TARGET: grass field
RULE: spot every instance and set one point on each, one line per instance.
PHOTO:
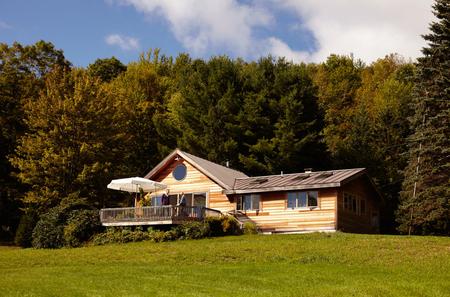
(277, 265)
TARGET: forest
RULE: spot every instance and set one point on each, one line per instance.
(66, 131)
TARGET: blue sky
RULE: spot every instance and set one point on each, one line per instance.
(300, 30)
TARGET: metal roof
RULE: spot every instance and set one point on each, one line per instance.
(236, 182)
(295, 181)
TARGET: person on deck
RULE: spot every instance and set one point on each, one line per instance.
(165, 201)
(165, 198)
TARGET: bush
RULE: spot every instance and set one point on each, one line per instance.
(223, 225)
(158, 236)
(193, 230)
(49, 230)
(250, 228)
(121, 235)
(231, 226)
(70, 223)
(215, 226)
(212, 226)
(81, 225)
(24, 232)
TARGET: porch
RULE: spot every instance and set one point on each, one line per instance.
(154, 215)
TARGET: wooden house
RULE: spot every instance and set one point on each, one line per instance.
(309, 201)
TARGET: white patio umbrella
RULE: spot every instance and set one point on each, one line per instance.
(135, 185)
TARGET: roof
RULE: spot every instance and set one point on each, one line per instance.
(222, 175)
(236, 182)
(295, 181)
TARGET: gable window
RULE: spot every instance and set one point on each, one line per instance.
(302, 199)
(179, 173)
(248, 202)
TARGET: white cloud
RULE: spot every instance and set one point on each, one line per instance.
(205, 25)
(368, 29)
(124, 42)
(278, 48)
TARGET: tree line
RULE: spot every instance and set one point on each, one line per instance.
(67, 131)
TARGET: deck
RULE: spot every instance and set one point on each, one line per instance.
(154, 215)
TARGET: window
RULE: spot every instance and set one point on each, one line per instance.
(179, 173)
(347, 201)
(156, 201)
(302, 199)
(199, 200)
(354, 203)
(192, 199)
(248, 202)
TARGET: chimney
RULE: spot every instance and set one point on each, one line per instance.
(228, 164)
(281, 174)
(308, 170)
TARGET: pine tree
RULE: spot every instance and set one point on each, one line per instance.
(425, 198)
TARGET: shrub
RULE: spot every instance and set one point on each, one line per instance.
(212, 226)
(71, 223)
(215, 226)
(49, 230)
(250, 228)
(81, 225)
(224, 225)
(104, 238)
(121, 235)
(231, 226)
(160, 236)
(24, 232)
(194, 230)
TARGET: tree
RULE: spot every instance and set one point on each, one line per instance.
(337, 81)
(366, 110)
(73, 140)
(425, 196)
(140, 93)
(280, 119)
(203, 106)
(22, 73)
(106, 69)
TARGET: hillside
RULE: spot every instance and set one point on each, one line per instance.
(278, 265)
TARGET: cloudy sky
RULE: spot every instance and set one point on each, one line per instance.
(300, 30)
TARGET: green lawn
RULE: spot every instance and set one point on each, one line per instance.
(260, 265)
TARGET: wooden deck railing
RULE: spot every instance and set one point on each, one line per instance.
(155, 214)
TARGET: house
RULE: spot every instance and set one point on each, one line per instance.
(331, 200)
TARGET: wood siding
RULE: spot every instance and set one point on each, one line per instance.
(274, 215)
(195, 182)
(349, 221)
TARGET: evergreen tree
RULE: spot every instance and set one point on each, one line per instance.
(281, 119)
(205, 101)
(425, 198)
